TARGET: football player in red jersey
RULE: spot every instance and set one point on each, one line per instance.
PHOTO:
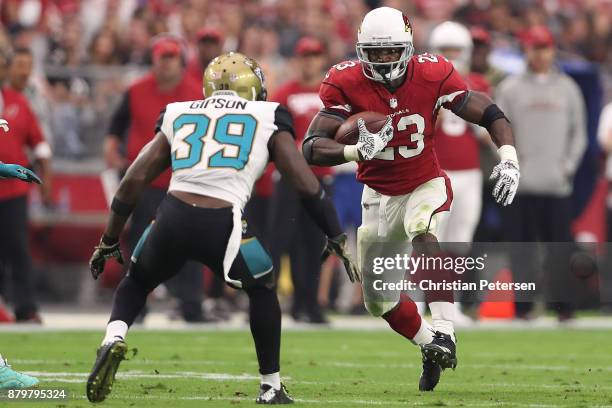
(407, 194)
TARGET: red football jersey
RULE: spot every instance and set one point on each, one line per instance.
(409, 159)
(456, 142)
(146, 100)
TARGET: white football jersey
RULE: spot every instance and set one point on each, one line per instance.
(219, 145)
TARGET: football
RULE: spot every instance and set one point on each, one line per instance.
(348, 132)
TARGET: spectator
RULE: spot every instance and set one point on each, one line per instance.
(25, 134)
(209, 43)
(104, 49)
(19, 79)
(133, 127)
(548, 116)
(290, 225)
(480, 56)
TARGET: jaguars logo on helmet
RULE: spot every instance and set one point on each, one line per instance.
(235, 72)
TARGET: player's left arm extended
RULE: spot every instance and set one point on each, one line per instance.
(478, 108)
(293, 167)
(152, 160)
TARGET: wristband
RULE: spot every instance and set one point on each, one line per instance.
(106, 240)
(351, 153)
(508, 152)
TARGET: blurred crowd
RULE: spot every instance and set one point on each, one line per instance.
(82, 57)
(86, 52)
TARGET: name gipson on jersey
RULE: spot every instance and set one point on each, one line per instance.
(219, 103)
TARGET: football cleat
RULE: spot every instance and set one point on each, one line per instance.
(441, 351)
(100, 381)
(11, 379)
(270, 395)
(430, 375)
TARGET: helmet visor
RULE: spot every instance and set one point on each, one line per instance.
(373, 56)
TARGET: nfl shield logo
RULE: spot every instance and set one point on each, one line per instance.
(393, 103)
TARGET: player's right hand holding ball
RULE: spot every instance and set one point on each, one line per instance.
(370, 144)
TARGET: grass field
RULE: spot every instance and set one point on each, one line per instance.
(329, 368)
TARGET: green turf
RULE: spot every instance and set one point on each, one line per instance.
(328, 368)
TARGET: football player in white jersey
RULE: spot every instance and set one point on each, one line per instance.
(217, 148)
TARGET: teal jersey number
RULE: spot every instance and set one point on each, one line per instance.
(243, 140)
(244, 127)
(193, 140)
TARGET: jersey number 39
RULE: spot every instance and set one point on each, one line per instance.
(233, 132)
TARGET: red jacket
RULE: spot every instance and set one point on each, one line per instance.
(135, 119)
(24, 133)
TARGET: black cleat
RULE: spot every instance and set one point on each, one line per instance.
(441, 351)
(430, 375)
(100, 381)
(270, 395)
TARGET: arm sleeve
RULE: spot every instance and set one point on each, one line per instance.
(120, 122)
(453, 89)
(577, 137)
(160, 120)
(163, 125)
(283, 120)
(284, 123)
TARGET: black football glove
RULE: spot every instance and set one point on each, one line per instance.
(338, 247)
(101, 253)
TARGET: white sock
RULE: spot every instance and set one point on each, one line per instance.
(425, 333)
(115, 330)
(272, 379)
(442, 317)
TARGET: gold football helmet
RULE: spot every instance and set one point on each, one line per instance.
(235, 72)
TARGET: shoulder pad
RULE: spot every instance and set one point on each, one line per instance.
(343, 72)
(431, 67)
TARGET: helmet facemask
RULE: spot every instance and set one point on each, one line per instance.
(384, 71)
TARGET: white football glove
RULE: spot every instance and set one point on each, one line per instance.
(507, 174)
(4, 125)
(370, 144)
